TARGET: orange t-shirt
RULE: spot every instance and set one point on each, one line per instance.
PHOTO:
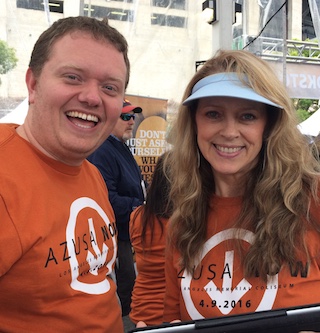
(218, 287)
(57, 244)
(149, 288)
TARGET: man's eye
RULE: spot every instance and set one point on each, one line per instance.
(73, 77)
(108, 87)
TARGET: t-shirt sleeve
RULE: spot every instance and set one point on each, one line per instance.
(10, 245)
(171, 298)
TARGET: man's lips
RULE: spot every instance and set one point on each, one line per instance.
(83, 116)
(82, 120)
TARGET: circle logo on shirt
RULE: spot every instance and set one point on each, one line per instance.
(229, 293)
(95, 257)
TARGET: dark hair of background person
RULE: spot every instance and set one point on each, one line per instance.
(157, 204)
(315, 147)
(100, 30)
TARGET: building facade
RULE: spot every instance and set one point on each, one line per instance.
(166, 37)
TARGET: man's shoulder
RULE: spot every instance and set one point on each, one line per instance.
(104, 148)
(7, 132)
(106, 154)
(110, 142)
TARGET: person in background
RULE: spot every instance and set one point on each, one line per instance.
(315, 147)
(244, 235)
(57, 232)
(126, 192)
(147, 228)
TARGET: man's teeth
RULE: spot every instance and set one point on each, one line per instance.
(83, 116)
(228, 150)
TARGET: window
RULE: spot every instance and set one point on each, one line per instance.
(111, 13)
(270, 22)
(308, 31)
(168, 20)
(174, 4)
(54, 5)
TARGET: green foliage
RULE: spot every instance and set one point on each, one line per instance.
(305, 52)
(8, 59)
(305, 103)
(304, 108)
(303, 114)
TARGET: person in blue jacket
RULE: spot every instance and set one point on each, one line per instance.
(126, 192)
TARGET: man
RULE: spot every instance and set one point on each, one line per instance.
(126, 191)
(57, 227)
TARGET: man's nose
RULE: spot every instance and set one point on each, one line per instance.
(90, 94)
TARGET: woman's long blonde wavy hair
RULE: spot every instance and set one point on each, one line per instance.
(277, 196)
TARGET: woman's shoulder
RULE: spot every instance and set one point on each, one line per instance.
(135, 218)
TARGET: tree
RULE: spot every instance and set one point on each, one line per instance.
(8, 59)
(305, 107)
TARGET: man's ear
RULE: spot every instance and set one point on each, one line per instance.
(31, 82)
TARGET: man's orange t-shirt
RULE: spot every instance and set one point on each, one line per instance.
(57, 244)
(218, 287)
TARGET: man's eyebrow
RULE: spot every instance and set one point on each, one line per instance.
(71, 67)
(82, 70)
(113, 79)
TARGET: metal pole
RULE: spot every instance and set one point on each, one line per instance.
(47, 11)
(222, 28)
(285, 48)
(89, 9)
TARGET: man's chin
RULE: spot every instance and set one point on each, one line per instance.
(127, 136)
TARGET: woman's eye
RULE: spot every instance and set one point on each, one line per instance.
(248, 116)
(213, 114)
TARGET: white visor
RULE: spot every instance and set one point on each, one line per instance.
(225, 85)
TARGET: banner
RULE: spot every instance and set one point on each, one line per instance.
(302, 80)
(149, 140)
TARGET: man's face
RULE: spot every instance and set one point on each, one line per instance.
(123, 128)
(77, 99)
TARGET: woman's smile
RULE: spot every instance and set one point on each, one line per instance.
(230, 134)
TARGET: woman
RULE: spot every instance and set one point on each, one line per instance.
(244, 233)
(147, 231)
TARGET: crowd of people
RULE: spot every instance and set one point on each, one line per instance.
(230, 223)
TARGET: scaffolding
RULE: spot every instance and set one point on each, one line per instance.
(273, 49)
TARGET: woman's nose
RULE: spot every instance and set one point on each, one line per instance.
(229, 129)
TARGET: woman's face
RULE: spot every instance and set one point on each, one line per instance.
(230, 134)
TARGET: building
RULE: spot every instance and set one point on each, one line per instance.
(164, 43)
(166, 37)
